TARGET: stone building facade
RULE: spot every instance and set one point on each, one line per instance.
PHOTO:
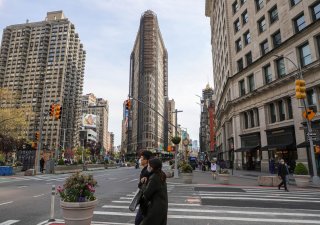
(253, 43)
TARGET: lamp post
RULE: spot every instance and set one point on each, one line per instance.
(176, 175)
(315, 178)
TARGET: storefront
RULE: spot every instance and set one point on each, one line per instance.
(250, 151)
(281, 145)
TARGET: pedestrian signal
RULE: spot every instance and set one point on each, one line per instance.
(300, 89)
(128, 104)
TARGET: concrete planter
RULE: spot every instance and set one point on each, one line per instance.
(223, 178)
(78, 213)
(187, 177)
(302, 180)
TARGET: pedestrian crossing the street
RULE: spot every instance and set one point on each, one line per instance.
(192, 204)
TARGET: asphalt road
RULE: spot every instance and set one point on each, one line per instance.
(26, 200)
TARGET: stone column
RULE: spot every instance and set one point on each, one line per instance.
(236, 126)
(263, 118)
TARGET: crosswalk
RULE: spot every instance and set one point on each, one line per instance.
(192, 204)
(46, 178)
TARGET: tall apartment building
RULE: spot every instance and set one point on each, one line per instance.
(100, 109)
(207, 134)
(253, 43)
(148, 83)
(42, 63)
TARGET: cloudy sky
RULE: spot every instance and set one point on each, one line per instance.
(108, 28)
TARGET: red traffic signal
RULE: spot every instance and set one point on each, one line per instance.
(128, 104)
(51, 111)
(58, 112)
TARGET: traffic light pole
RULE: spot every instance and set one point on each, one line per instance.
(315, 178)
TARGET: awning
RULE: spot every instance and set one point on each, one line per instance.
(307, 144)
(276, 146)
(247, 149)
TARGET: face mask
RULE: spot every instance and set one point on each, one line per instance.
(149, 169)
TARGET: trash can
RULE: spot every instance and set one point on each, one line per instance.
(50, 166)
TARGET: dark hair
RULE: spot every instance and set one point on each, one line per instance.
(156, 165)
(146, 154)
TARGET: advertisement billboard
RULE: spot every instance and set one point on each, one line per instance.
(89, 120)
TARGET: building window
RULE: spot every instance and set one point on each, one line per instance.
(242, 88)
(245, 17)
(240, 65)
(281, 70)
(238, 45)
(242, 2)
(305, 54)
(247, 38)
(299, 23)
(273, 117)
(251, 82)
(259, 4)
(236, 25)
(267, 74)
(246, 120)
(262, 24)
(290, 114)
(249, 58)
(257, 114)
(316, 11)
(318, 45)
(264, 47)
(276, 39)
(294, 2)
(251, 118)
(282, 115)
(235, 7)
(273, 14)
(311, 97)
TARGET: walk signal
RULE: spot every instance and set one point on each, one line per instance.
(58, 112)
(51, 111)
(128, 104)
(37, 136)
(300, 89)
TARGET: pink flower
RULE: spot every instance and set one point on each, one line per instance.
(59, 189)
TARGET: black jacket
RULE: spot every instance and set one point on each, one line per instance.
(155, 205)
(282, 170)
(144, 173)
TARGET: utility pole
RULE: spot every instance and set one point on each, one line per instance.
(176, 175)
(315, 178)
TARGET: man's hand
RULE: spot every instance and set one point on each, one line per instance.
(143, 180)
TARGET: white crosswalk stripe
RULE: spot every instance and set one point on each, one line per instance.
(9, 222)
(185, 205)
(46, 178)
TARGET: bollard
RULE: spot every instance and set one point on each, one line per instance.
(53, 194)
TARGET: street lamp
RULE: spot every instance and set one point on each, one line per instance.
(315, 178)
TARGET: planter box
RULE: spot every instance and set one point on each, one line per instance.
(302, 180)
(269, 181)
(187, 177)
(223, 178)
(78, 213)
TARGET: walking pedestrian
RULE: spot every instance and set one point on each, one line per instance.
(282, 173)
(214, 170)
(154, 204)
(144, 175)
(41, 164)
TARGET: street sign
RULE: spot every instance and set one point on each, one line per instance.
(309, 114)
(311, 134)
(312, 138)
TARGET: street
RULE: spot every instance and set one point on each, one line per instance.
(26, 200)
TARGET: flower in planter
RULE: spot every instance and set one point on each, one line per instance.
(78, 188)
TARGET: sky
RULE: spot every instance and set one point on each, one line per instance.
(108, 28)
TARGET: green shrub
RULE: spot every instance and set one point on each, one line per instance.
(186, 168)
(106, 161)
(61, 162)
(80, 161)
(301, 169)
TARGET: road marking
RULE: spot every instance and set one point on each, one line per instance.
(288, 221)
(125, 198)
(259, 199)
(5, 203)
(36, 196)
(117, 181)
(93, 223)
(258, 195)
(132, 180)
(8, 222)
(121, 201)
(22, 186)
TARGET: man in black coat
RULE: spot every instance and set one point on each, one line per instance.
(282, 173)
(144, 175)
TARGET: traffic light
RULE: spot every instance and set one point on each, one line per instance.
(37, 136)
(51, 111)
(300, 89)
(58, 112)
(128, 104)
